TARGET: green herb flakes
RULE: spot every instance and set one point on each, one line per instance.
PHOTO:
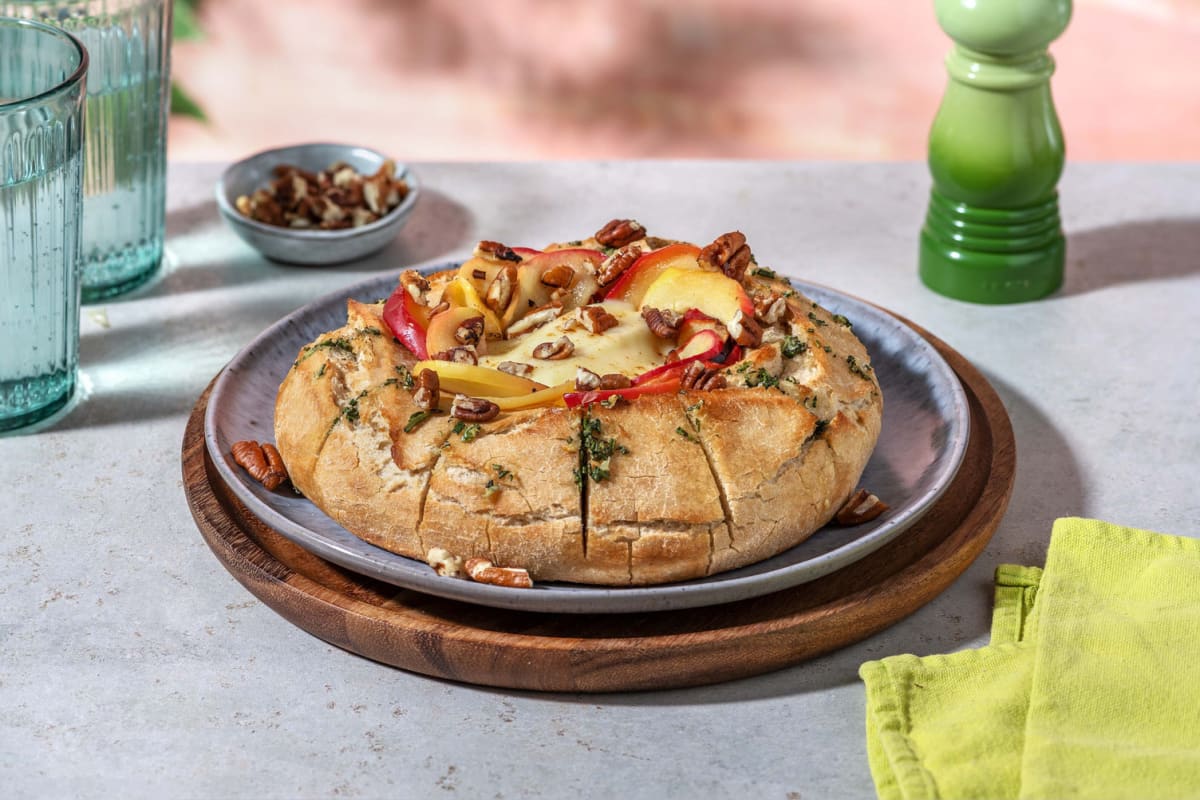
(793, 346)
(686, 435)
(820, 323)
(415, 420)
(763, 272)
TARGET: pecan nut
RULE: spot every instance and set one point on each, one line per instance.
(469, 332)
(459, 355)
(596, 319)
(536, 318)
(615, 380)
(426, 393)
(771, 309)
(445, 564)
(415, 284)
(620, 232)
(729, 254)
(518, 368)
(861, 507)
(698, 377)
(560, 348)
(494, 251)
(663, 323)
(500, 290)
(744, 330)
(559, 276)
(483, 571)
(617, 262)
(262, 461)
(473, 409)
(586, 380)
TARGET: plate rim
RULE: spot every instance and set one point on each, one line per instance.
(583, 598)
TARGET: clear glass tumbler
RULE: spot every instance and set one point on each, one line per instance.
(124, 183)
(42, 82)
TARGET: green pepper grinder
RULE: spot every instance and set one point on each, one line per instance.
(992, 233)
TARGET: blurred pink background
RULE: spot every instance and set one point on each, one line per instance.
(532, 79)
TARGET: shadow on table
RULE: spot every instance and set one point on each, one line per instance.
(1131, 252)
(438, 226)
(1047, 486)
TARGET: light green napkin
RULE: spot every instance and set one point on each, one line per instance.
(1090, 686)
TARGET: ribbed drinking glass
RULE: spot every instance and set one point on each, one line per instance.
(129, 43)
(42, 84)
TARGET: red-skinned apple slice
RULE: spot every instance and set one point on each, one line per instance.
(407, 320)
(704, 346)
(711, 293)
(667, 383)
(440, 336)
(530, 292)
(631, 286)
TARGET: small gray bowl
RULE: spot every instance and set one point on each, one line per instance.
(303, 245)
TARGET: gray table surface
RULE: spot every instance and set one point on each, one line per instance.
(132, 664)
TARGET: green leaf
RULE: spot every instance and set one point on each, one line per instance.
(185, 27)
(183, 105)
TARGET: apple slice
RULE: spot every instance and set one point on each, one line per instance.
(407, 319)
(711, 293)
(706, 345)
(531, 293)
(632, 285)
(440, 336)
(476, 381)
(551, 396)
(461, 292)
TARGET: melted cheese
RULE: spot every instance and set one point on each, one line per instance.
(629, 348)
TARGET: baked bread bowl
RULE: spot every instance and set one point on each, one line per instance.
(620, 410)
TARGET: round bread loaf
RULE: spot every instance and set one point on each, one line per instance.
(618, 487)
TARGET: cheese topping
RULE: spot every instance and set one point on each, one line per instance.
(629, 348)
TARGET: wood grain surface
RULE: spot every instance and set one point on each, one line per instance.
(618, 652)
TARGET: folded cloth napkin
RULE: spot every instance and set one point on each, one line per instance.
(1090, 686)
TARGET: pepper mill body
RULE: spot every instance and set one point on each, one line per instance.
(992, 233)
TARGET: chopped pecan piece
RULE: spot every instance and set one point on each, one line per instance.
(617, 262)
(459, 355)
(663, 323)
(483, 571)
(615, 380)
(494, 251)
(586, 380)
(296, 198)
(620, 232)
(439, 308)
(415, 284)
(536, 318)
(558, 276)
(861, 507)
(473, 409)
(521, 370)
(262, 461)
(699, 377)
(500, 290)
(744, 330)
(596, 319)
(560, 348)
(426, 395)
(771, 309)
(728, 253)
(445, 564)
(469, 332)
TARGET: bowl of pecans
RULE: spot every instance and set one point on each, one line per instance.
(317, 204)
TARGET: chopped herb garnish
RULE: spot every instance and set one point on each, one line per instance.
(493, 485)
(841, 320)
(372, 330)
(763, 272)
(827, 348)
(468, 432)
(810, 402)
(321, 371)
(861, 370)
(328, 344)
(415, 420)
(820, 323)
(406, 377)
(350, 410)
(686, 435)
(596, 451)
(793, 346)
(501, 472)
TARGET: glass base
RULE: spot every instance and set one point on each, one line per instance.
(12, 423)
(992, 256)
(122, 272)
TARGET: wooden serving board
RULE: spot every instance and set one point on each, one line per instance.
(618, 652)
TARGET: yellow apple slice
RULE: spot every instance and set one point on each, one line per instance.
(440, 335)
(551, 396)
(477, 381)
(460, 292)
(711, 293)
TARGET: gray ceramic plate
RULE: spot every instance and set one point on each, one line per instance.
(925, 430)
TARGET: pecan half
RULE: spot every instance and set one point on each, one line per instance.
(425, 395)
(617, 262)
(615, 380)
(771, 309)
(494, 251)
(262, 461)
(699, 377)
(459, 355)
(596, 319)
(728, 253)
(536, 318)
(445, 564)
(473, 409)
(560, 348)
(559, 276)
(861, 507)
(663, 323)
(500, 290)
(470, 331)
(586, 380)
(744, 330)
(521, 370)
(620, 232)
(483, 571)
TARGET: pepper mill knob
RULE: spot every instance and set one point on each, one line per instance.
(992, 233)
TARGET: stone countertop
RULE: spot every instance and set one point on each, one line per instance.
(135, 666)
